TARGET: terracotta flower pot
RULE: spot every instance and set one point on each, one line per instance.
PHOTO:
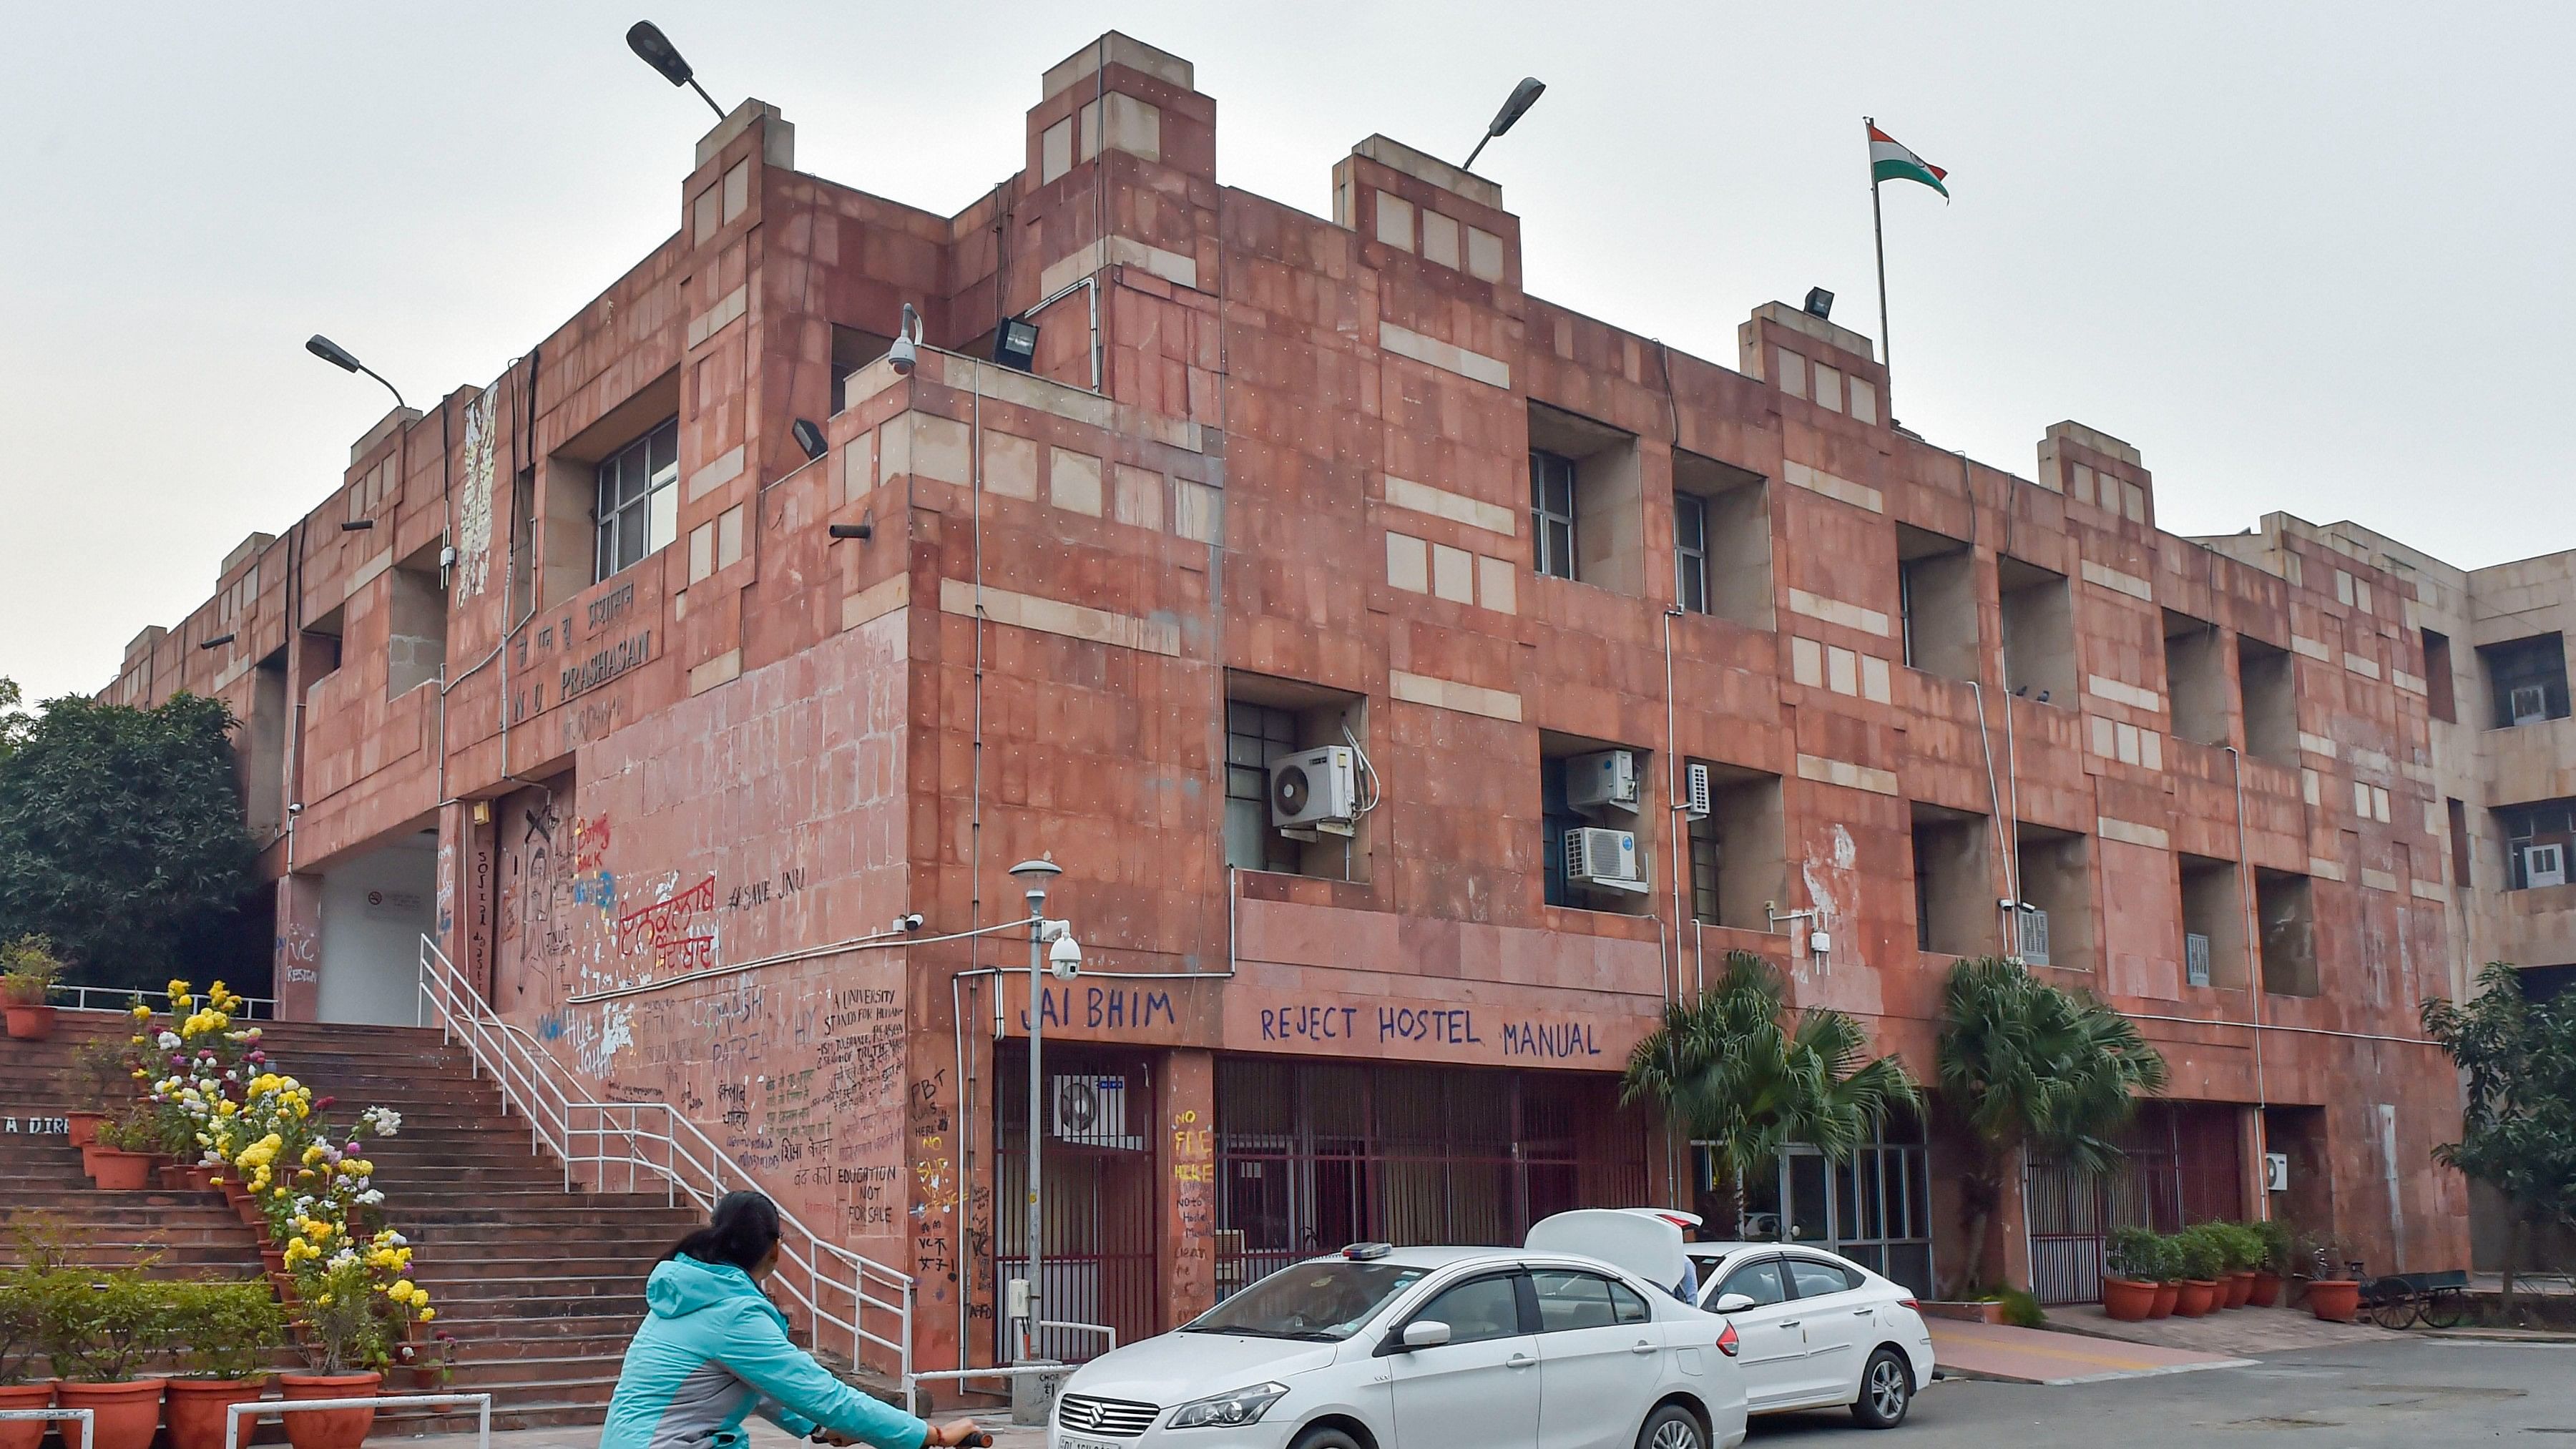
(115, 1170)
(30, 1023)
(273, 1258)
(329, 1428)
(2127, 1300)
(200, 1179)
(2240, 1288)
(2165, 1295)
(2335, 1300)
(427, 1378)
(174, 1178)
(84, 1126)
(2266, 1290)
(2195, 1297)
(197, 1408)
(24, 1433)
(128, 1413)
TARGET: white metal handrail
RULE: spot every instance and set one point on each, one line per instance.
(653, 1138)
(235, 1414)
(119, 998)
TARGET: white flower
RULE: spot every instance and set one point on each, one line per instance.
(372, 1196)
(169, 1041)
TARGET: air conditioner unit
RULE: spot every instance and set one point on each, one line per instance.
(2195, 958)
(1315, 790)
(2031, 935)
(1092, 1110)
(1603, 859)
(1602, 778)
(2544, 865)
(2530, 704)
(1695, 791)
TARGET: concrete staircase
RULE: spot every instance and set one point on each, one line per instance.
(541, 1287)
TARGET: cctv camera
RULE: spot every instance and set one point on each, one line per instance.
(907, 342)
(910, 921)
(1064, 958)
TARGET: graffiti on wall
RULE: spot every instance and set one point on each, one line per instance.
(474, 501)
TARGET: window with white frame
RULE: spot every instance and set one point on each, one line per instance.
(637, 503)
(1690, 552)
(1552, 513)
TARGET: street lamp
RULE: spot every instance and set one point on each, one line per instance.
(647, 40)
(1524, 96)
(1033, 876)
(343, 359)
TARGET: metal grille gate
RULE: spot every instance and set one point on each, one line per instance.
(1103, 1204)
(2070, 1214)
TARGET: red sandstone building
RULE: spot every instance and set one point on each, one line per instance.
(596, 678)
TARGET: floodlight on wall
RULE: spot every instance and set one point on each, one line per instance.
(347, 361)
(1015, 344)
(357, 525)
(1820, 303)
(907, 342)
(809, 438)
(1524, 96)
(656, 50)
(217, 642)
(863, 530)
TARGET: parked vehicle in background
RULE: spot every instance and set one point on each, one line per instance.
(1817, 1330)
(1427, 1348)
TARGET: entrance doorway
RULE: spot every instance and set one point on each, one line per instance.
(2179, 1166)
(376, 905)
(1102, 1203)
(1875, 1209)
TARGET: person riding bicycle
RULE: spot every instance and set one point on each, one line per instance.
(714, 1349)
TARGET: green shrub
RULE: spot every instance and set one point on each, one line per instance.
(2137, 1254)
(2245, 1248)
(102, 1328)
(225, 1330)
(22, 1323)
(2021, 1310)
(2280, 1245)
(2200, 1254)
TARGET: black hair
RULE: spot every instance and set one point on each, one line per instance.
(743, 1231)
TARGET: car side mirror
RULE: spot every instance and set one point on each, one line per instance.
(1425, 1333)
(1733, 1303)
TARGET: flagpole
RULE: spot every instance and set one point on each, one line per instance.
(1878, 233)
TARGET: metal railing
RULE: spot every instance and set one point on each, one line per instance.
(869, 1304)
(235, 1414)
(118, 998)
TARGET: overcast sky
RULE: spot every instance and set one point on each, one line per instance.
(2305, 257)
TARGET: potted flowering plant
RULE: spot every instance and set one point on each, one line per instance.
(356, 1304)
(105, 1069)
(28, 971)
(119, 1158)
(225, 1333)
(430, 1364)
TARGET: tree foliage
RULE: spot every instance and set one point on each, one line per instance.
(2027, 1065)
(121, 833)
(1728, 1068)
(2518, 1125)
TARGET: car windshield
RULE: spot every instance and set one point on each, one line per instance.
(1324, 1301)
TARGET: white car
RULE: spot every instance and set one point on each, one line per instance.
(1816, 1330)
(1426, 1348)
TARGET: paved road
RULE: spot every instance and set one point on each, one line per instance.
(2411, 1392)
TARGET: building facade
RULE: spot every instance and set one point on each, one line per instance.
(661, 679)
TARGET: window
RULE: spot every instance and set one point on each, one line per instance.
(2538, 842)
(1568, 1301)
(2213, 910)
(1476, 1310)
(1703, 872)
(637, 503)
(1690, 553)
(2458, 812)
(2441, 693)
(1736, 857)
(1758, 1281)
(2196, 678)
(1552, 513)
(2055, 925)
(1599, 789)
(1815, 1279)
(1721, 535)
(2039, 632)
(2285, 907)
(2268, 680)
(1254, 736)
(1937, 602)
(2528, 678)
(1954, 886)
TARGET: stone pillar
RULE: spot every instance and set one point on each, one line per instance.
(467, 861)
(297, 966)
(1185, 1159)
(2250, 1148)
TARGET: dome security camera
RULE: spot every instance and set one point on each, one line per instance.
(1064, 958)
(907, 343)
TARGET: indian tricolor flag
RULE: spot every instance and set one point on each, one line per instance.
(1889, 161)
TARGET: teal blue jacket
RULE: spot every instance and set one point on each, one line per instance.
(713, 1349)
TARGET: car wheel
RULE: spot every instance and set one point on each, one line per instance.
(1886, 1391)
(1671, 1427)
(1325, 1436)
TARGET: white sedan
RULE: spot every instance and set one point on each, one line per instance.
(1816, 1330)
(1427, 1348)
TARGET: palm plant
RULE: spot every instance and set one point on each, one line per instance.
(1725, 1067)
(2028, 1066)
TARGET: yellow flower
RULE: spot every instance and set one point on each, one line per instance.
(142, 1012)
(427, 1314)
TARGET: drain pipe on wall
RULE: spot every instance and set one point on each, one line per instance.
(2253, 978)
(1673, 805)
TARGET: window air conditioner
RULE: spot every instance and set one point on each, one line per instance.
(1315, 790)
(1695, 791)
(1603, 859)
(2544, 865)
(1092, 1110)
(2195, 958)
(1602, 778)
(2031, 933)
(2530, 704)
